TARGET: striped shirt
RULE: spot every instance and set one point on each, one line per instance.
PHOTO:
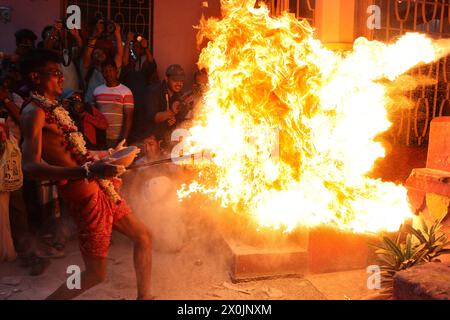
(112, 102)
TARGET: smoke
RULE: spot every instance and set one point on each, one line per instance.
(151, 193)
(190, 252)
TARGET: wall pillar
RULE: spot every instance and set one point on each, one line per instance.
(340, 22)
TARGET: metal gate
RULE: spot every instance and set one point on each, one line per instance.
(303, 9)
(132, 15)
(411, 127)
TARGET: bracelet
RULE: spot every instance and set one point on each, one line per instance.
(87, 171)
(110, 151)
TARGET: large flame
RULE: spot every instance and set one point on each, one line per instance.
(269, 75)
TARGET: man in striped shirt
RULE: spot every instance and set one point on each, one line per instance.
(116, 102)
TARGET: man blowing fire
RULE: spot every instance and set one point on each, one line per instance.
(87, 183)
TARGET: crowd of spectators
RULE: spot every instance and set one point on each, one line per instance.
(112, 92)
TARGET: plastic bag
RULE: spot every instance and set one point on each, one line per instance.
(11, 176)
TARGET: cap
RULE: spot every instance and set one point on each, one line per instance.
(176, 72)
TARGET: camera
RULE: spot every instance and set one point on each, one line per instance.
(137, 39)
(110, 27)
(75, 105)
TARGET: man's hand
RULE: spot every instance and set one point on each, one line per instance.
(118, 30)
(74, 32)
(122, 144)
(58, 26)
(171, 121)
(99, 28)
(169, 116)
(4, 93)
(104, 170)
(130, 37)
(176, 107)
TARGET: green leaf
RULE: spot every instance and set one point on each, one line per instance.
(388, 261)
(383, 252)
(441, 239)
(399, 234)
(418, 251)
(408, 246)
(419, 258)
(376, 246)
(392, 246)
(432, 234)
(438, 221)
(417, 233)
(424, 225)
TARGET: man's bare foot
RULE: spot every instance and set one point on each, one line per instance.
(47, 252)
(39, 265)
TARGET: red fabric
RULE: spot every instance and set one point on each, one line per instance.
(94, 213)
(93, 121)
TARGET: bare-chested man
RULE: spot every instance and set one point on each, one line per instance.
(95, 212)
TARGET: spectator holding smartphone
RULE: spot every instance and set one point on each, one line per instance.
(68, 44)
(98, 51)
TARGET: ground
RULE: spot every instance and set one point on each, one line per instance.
(198, 271)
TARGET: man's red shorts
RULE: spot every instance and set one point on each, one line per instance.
(94, 213)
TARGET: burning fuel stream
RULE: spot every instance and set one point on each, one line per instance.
(293, 124)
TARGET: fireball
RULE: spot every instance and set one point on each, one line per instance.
(293, 125)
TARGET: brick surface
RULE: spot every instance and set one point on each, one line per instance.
(434, 180)
(257, 262)
(439, 145)
(327, 250)
(331, 250)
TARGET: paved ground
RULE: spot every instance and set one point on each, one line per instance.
(196, 272)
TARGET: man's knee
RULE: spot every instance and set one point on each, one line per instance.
(95, 273)
(144, 238)
(95, 277)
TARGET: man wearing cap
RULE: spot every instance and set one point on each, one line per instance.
(159, 116)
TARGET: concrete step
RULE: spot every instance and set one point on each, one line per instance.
(325, 250)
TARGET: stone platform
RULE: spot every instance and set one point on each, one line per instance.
(319, 250)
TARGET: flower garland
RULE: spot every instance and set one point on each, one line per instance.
(73, 140)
